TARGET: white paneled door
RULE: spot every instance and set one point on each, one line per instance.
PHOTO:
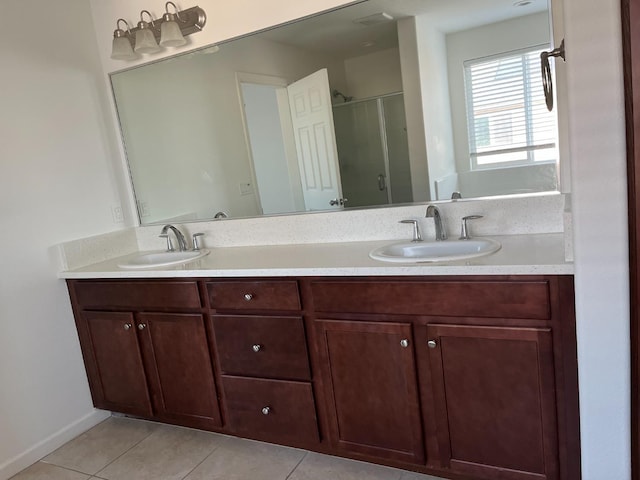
(312, 118)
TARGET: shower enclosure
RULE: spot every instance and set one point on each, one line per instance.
(373, 152)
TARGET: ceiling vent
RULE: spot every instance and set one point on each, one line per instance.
(375, 19)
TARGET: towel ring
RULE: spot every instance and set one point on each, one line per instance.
(547, 81)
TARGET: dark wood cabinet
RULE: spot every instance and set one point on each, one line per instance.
(150, 364)
(179, 368)
(495, 400)
(463, 377)
(119, 382)
(371, 388)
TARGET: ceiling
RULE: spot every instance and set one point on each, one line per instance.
(336, 33)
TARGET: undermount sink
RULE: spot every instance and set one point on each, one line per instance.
(442, 251)
(162, 259)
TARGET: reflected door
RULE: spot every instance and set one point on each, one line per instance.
(361, 151)
(312, 119)
(266, 137)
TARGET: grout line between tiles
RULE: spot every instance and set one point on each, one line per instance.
(203, 460)
(60, 467)
(130, 448)
(297, 465)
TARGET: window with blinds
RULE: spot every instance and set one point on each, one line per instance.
(508, 121)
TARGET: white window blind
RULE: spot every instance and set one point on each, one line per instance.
(508, 121)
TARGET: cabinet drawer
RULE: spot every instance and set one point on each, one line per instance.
(498, 299)
(161, 295)
(262, 346)
(259, 295)
(271, 409)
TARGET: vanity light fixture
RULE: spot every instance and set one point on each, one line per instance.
(121, 48)
(145, 39)
(169, 31)
(170, 34)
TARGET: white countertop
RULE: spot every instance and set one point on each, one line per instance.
(537, 254)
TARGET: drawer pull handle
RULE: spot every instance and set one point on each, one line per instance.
(248, 297)
(127, 326)
(256, 348)
(142, 326)
(432, 344)
(266, 410)
(404, 343)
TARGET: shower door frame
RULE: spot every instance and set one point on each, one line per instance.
(383, 134)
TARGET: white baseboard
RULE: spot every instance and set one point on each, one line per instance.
(51, 443)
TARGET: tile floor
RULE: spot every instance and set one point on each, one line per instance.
(126, 449)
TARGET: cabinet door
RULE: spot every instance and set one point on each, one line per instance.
(495, 400)
(179, 365)
(371, 388)
(121, 383)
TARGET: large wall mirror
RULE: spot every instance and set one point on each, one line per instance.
(379, 103)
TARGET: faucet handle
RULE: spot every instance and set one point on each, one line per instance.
(417, 237)
(169, 243)
(194, 239)
(464, 231)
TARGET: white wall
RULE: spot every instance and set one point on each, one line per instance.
(57, 184)
(598, 170)
(436, 108)
(374, 74)
(413, 101)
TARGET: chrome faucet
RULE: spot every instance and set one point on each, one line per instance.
(433, 212)
(182, 242)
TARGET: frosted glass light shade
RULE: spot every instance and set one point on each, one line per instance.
(170, 35)
(146, 41)
(121, 49)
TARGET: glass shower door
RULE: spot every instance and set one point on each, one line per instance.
(361, 153)
(395, 123)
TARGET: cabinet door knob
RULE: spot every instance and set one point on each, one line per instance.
(432, 344)
(256, 348)
(266, 410)
(404, 343)
(127, 326)
(248, 297)
(142, 326)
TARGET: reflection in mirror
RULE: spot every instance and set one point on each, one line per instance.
(378, 103)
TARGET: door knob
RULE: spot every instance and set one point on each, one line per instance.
(256, 348)
(404, 343)
(127, 326)
(432, 344)
(248, 297)
(266, 410)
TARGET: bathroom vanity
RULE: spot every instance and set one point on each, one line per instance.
(468, 376)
